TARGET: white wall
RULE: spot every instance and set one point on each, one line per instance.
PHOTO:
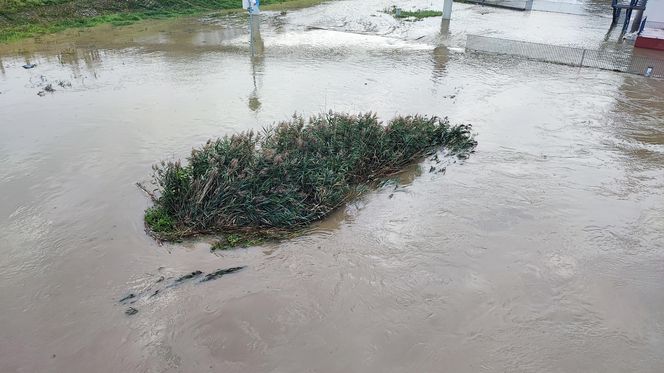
(655, 11)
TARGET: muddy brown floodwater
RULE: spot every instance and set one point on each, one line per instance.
(544, 252)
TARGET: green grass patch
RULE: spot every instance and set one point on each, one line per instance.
(257, 186)
(158, 220)
(235, 240)
(414, 14)
(289, 4)
(26, 18)
(252, 237)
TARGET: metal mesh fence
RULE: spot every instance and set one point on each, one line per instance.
(546, 6)
(509, 4)
(591, 8)
(601, 59)
(655, 25)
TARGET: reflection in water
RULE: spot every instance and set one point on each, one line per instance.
(28, 56)
(440, 58)
(254, 102)
(445, 28)
(257, 55)
(73, 57)
(441, 52)
(639, 111)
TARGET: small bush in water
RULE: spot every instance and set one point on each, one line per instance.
(291, 174)
(413, 14)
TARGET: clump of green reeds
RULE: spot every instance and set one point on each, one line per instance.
(290, 174)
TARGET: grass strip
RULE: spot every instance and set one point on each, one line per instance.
(27, 18)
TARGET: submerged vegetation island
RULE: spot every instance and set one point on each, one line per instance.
(412, 14)
(251, 187)
(25, 18)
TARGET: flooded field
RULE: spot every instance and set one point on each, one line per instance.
(543, 252)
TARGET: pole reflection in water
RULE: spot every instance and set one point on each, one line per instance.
(440, 52)
(257, 60)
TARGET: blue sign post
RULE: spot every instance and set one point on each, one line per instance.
(252, 6)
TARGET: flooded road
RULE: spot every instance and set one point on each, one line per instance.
(544, 252)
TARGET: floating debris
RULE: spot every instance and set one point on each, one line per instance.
(148, 293)
(131, 311)
(220, 272)
(188, 276)
(130, 296)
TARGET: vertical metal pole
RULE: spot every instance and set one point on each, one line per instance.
(583, 57)
(529, 5)
(251, 33)
(447, 9)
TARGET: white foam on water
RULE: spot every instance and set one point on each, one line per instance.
(338, 40)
